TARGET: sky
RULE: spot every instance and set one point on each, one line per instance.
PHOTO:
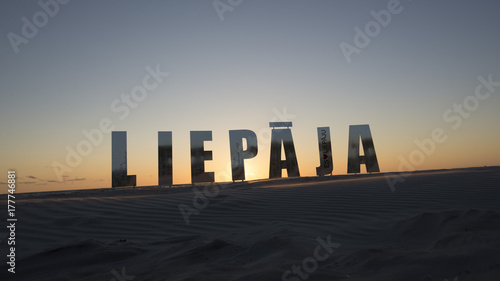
(415, 71)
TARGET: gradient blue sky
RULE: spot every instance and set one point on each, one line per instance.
(264, 57)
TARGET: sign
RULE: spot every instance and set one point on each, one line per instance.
(281, 137)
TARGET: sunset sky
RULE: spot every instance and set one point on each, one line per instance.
(254, 63)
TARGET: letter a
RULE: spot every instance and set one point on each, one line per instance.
(354, 160)
(279, 136)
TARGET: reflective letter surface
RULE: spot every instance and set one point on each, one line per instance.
(199, 156)
(354, 160)
(164, 158)
(325, 152)
(119, 175)
(238, 154)
(276, 165)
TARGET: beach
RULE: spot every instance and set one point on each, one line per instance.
(433, 225)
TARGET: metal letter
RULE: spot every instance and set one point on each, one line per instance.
(199, 156)
(164, 158)
(238, 154)
(276, 165)
(354, 160)
(119, 175)
(280, 124)
(325, 152)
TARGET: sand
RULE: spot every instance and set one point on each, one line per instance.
(436, 225)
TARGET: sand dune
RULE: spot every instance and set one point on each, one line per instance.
(437, 225)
